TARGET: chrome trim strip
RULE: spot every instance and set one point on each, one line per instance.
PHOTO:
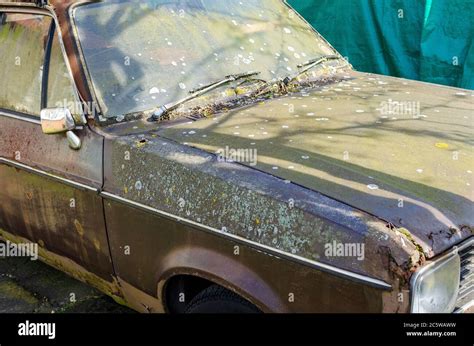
(465, 244)
(470, 304)
(464, 308)
(19, 117)
(278, 253)
(48, 175)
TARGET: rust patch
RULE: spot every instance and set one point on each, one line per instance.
(70, 267)
(403, 270)
(79, 228)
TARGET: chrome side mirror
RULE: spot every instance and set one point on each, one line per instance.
(60, 120)
(57, 120)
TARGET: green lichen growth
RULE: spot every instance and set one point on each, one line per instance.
(407, 234)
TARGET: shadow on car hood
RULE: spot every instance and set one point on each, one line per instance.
(397, 149)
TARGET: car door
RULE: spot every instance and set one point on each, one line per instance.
(48, 191)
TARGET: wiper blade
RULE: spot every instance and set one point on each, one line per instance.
(309, 65)
(314, 62)
(195, 93)
(227, 79)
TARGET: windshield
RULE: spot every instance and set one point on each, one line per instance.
(143, 54)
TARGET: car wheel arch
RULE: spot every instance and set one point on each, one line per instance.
(209, 266)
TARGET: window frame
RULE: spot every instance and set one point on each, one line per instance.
(99, 106)
(54, 28)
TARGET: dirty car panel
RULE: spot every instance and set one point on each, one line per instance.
(191, 187)
(142, 202)
(412, 170)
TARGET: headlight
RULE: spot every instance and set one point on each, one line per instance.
(435, 287)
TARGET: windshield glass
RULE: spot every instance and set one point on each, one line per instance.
(143, 54)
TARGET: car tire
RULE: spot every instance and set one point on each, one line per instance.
(218, 300)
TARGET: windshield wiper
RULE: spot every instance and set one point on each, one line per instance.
(310, 64)
(195, 93)
(315, 62)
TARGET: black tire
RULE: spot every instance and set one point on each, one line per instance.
(216, 299)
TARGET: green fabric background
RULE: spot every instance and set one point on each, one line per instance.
(428, 40)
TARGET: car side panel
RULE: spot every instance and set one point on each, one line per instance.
(148, 249)
(149, 245)
(63, 212)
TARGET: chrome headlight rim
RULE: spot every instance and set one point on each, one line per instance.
(416, 279)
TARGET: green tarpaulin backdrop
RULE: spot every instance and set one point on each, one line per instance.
(429, 40)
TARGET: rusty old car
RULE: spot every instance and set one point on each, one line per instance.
(221, 156)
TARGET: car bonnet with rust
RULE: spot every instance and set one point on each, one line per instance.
(347, 141)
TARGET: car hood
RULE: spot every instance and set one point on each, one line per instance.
(399, 150)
